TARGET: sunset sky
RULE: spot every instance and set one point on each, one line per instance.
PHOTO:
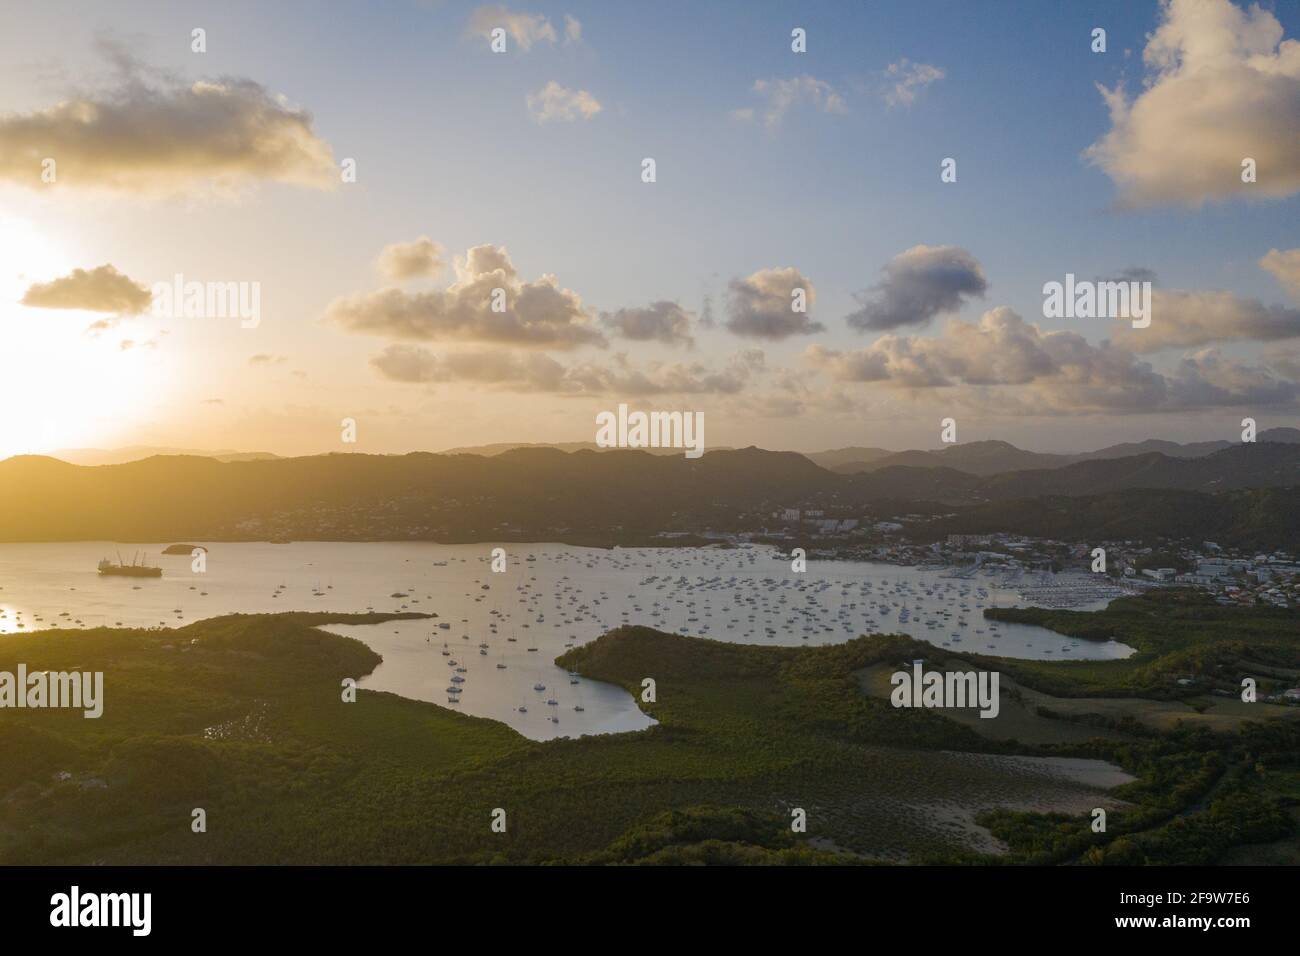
(523, 170)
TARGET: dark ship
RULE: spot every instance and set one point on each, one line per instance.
(136, 569)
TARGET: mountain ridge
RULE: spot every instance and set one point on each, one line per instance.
(991, 457)
(544, 491)
(985, 457)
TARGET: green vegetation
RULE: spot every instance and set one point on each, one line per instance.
(1178, 634)
(1250, 519)
(1163, 559)
(243, 716)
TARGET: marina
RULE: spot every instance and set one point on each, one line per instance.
(489, 647)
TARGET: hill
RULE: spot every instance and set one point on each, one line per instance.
(981, 458)
(1260, 465)
(987, 458)
(490, 451)
(1262, 519)
(610, 497)
(118, 456)
(421, 495)
(242, 715)
(836, 458)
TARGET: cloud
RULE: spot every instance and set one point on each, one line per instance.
(762, 306)
(155, 134)
(127, 344)
(419, 258)
(783, 95)
(1285, 268)
(524, 28)
(96, 290)
(919, 284)
(531, 372)
(1001, 349)
(556, 102)
(262, 358)
(572, 29)
(538, 314)
(520, 372)
(1206, 379)
(1182, 319)
(1016, 367)
(620, 377)
(1131, 274)
(1222, 84)
(908, 79)
(1285, 362)
(665, 322)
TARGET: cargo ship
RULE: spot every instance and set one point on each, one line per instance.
(136, 569)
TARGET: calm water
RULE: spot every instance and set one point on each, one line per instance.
(552, 597)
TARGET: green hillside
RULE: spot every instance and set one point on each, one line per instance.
(243, 716)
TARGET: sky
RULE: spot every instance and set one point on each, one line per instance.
(132, 152)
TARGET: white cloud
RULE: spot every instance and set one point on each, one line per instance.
(94, 290)
(1222, 85)
(537, 314)
(531, 372)
(1284, 264)
(154, 134)
(1182, 319)
(783, 95)
(419, 258)
(524, 28)
(762, 305)
(907, 80)
(662, 321)
(1015, 367)
(556, 102)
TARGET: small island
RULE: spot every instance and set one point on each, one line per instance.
(186, 549)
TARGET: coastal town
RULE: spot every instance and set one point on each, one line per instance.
(1049, 572)
(1084, 572)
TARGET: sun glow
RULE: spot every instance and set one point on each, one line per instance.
(62, 383)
